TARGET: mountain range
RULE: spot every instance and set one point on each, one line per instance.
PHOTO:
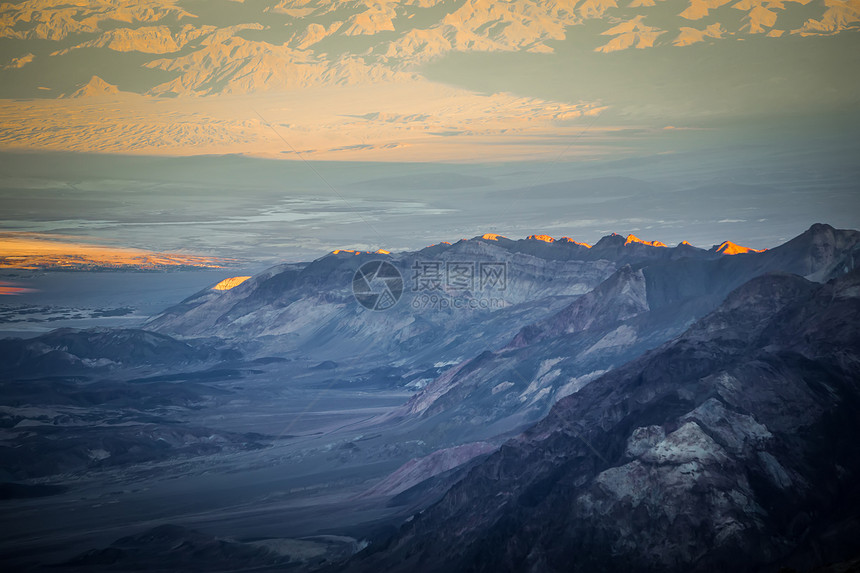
(571, 312)
(274, 45)
(620, 406)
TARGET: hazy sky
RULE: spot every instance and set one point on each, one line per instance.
(394, 124)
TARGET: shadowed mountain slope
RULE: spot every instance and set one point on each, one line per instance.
(731, 447)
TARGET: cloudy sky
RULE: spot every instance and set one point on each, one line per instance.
(401, 122)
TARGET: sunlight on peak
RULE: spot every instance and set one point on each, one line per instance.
(730, 248)
(232, 282)
(492, 236)
(635, 239)
(569, 240)
(377, 252)
(544, 238)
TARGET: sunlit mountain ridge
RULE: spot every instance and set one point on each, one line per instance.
(725, 248)
(730, 248)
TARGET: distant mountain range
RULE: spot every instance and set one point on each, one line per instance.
(504, 353)
(408, 80)
(279, 44)
(566, 313)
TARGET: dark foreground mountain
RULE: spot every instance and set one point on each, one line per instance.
(733, 447)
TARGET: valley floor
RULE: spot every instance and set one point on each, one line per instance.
(322, 450)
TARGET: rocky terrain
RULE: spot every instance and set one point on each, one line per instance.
(81, 400)
(730, 447)
(635, 309)
(689, 408)
(311, 308)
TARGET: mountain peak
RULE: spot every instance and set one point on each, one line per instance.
(230, 283)
(817, 228)
(746, 310)
(612, 240)
(569, 240)
(354, 252)
(492, 237)
(94, 88)
(821, 252)
(615, 240)
(714, 399)
(730, 248)
(544, 238)
(634, 239)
